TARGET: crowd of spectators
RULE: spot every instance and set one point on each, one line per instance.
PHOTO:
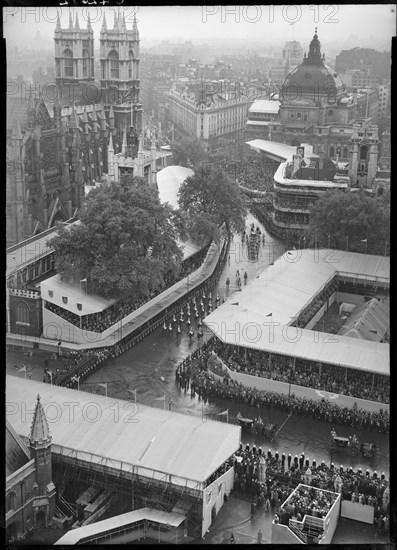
(193, 372)
(99, 322)
(332, 378)
(257, 173)
(284, 474)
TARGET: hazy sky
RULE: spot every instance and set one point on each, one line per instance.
(275, 23)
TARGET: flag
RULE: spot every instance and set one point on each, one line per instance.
(105, 385)
(224, 413)
(257, 277)
(272, 263)
(83, 280)
(364, 240)
(290, 252)
(235, 304)
(23, 369)
(269, 315)
(160, 398)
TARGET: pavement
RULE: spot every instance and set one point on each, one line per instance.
(235, 517)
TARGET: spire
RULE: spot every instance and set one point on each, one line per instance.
(39, 431)
(110, 146)
(77, 26)
(135, 27)
(116, 20)
(314, 55)
(123, 25)
(58, 26)
(89, 28)
(124, 144)
(70, 20)
(104, 27)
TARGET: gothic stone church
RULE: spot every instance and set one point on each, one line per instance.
(58, 137)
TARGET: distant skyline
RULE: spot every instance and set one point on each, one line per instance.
(250, 24)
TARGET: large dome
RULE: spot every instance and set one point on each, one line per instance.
(312, 78)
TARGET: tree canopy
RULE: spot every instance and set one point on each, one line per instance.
(349, 219)
(188, 152)
(209, 199)
(126, 244)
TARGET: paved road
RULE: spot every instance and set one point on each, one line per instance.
(150, 366)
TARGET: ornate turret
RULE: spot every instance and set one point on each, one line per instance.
(40, 435)
(77, 26)
(314, 56)
(104, 26)
(40, 440)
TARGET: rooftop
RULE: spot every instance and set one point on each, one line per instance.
(257, 316)
(265, 106)
(152, 440)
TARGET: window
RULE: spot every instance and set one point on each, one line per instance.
(331, 151)
(85, 62)
(298, 116)
(114, 64)
(131, 64)
(22, 313)
(68, 62)
(11, 501)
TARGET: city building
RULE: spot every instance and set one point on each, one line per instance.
(56, 147)
(263, 119)
(30, 491)
(316, 108)
(208, 111)
(292, 53)
(378, 63)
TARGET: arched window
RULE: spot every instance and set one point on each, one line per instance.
(22, 313)
(85, 62)
(332, 151)
(68, 55)
(114, 64)
(11, 501)
(131, 64)
(345, 153)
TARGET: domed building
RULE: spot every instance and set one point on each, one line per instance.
(315, 107)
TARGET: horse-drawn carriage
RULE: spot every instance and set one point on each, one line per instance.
(257, 425)
(352, 443)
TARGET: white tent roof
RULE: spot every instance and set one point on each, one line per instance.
(116, 522)
(169, 181)
(265, 106)
(280, 151)
(258, 316)
(91, 303)
(125, 434)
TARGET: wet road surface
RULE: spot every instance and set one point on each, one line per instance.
(149, 368)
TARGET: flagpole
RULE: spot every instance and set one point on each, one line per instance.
(164, 401)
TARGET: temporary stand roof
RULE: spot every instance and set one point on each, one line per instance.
(259, 316)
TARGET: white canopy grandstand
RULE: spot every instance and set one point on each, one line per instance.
(169, 181)
(55, 290)
(278, 151)
(259, 316)
(151, 442)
